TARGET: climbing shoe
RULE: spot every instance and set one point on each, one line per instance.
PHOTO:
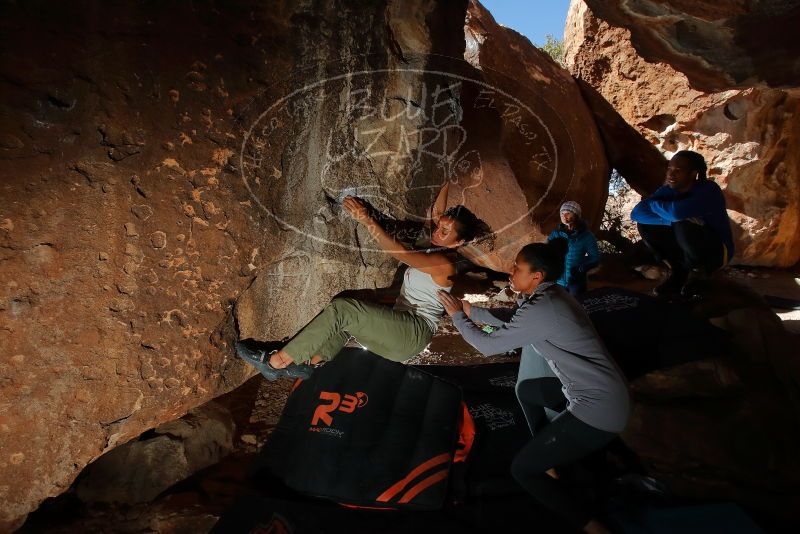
(259, 358)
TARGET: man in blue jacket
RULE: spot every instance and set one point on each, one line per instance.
(582, 254)
(685, 223)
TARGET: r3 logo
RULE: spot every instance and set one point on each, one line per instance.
(346, 404)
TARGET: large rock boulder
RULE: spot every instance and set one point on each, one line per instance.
(749, 137)
(165, 161)
(141, 195)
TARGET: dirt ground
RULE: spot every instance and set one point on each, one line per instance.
(780, 283)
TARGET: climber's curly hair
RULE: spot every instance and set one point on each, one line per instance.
(468, 226)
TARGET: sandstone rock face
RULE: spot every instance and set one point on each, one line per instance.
(749, 137)
(141, 195)
(376, 129)
(718, 45)
(630, 153)
(542, 145)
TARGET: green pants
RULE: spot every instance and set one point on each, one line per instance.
(395, 335)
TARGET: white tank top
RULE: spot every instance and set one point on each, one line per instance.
(418, 296)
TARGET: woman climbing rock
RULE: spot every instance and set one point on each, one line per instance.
(396, 333)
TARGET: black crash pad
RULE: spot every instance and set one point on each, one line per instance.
(367, 431)
(644, 333)
(500, 426)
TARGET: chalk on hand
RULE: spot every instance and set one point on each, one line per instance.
(347, 192)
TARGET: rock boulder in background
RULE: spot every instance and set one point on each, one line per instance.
(537, 138)
(749, 137)
(717, 44)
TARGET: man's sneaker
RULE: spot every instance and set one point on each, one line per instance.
(695, 282)
(259, 359)
(671, 286)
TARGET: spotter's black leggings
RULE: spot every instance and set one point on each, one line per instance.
(564, 440)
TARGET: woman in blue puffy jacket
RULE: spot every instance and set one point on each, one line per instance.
(582, 254)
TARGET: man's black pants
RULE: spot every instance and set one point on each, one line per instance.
(685, 246)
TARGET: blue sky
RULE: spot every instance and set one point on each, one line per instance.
(532, 18)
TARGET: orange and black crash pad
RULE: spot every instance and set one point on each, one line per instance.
(494, 432)
(366, 431)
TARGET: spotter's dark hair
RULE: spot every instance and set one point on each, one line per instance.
(547, 258)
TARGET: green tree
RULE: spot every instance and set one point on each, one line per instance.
(554, 48)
